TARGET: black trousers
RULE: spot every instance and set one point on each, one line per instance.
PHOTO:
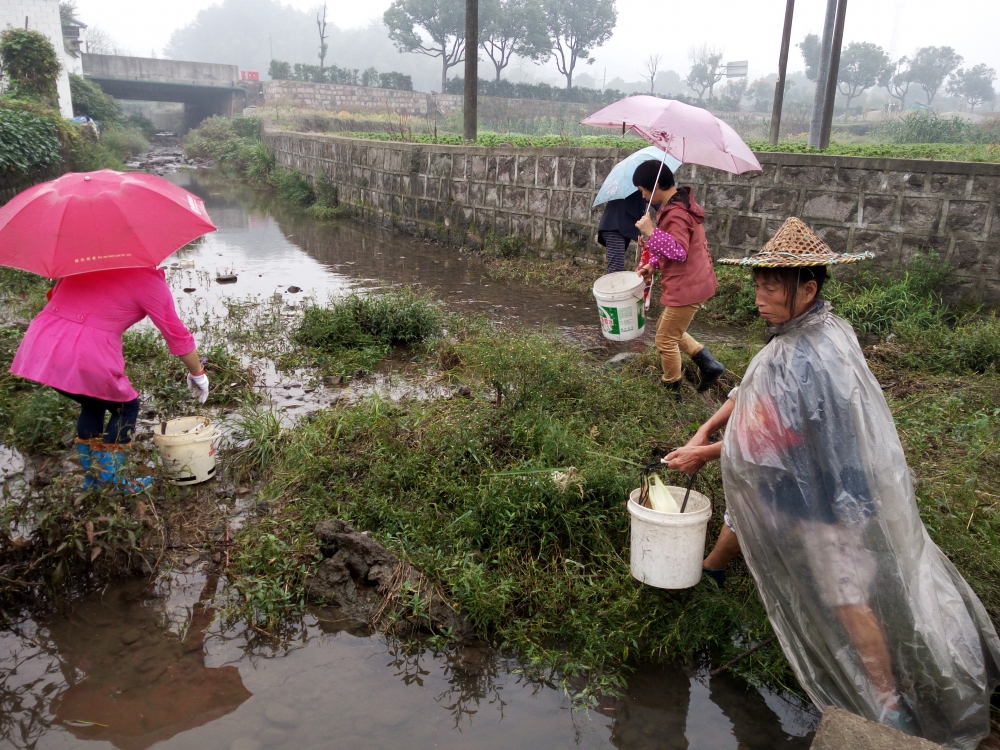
(94, 411)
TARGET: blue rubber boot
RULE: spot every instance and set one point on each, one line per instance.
(84, 450)
(107, 464)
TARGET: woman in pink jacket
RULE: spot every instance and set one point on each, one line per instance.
(75, 346)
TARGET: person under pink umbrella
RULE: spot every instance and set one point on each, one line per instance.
(74, 345)
(102, 235)
(677, 246)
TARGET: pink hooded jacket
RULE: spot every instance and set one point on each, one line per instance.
(75, 342)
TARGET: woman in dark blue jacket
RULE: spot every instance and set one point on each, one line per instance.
(617, 228)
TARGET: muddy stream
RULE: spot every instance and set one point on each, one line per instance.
(141, 664)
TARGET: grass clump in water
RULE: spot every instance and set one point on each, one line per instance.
(355, 332)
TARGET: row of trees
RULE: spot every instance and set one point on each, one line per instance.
(283, 71)
(566, 31)
(864, 65)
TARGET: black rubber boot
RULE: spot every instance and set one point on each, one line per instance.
(717, 574)
(711, 369)
(673, 389)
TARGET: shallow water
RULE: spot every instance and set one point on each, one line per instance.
(270, 248)
(138, 665)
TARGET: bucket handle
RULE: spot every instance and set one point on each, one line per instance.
(644, 484)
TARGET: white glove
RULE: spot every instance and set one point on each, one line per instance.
(198, 385)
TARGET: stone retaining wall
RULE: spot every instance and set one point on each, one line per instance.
(337, 98)
(898, 209)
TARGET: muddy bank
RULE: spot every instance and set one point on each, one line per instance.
(369, 583)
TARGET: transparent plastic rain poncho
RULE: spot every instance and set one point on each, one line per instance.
(821, 500)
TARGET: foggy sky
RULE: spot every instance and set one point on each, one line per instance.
(744, 29)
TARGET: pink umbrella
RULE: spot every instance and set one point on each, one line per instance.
(95, 221)
(691, 134)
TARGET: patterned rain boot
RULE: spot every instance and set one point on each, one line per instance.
(108, 462)
(84, 450)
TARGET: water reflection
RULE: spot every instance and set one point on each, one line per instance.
(131, 680)
(134, 666)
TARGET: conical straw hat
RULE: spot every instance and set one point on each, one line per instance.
(795, 244)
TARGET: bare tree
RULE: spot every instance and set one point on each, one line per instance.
(323, 46)
(651, 64)
(100, 42)
(706, 70)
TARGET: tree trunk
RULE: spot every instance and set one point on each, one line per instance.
(444, 71)
(499, 69)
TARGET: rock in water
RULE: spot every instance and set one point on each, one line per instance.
(229, 278)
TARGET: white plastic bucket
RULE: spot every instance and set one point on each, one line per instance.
(187, 449)
(668, 548)
(619, 303)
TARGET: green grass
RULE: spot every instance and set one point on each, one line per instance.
(937, 151)
(493, 140)
(535, 567)
(354, 333)
(463, 487)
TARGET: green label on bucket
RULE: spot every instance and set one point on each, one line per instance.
(609, 320)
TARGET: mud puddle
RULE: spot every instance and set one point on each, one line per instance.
(138, 664)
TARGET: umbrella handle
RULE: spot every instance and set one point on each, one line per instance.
(657, 183)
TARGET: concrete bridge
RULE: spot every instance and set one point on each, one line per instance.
(205, 89)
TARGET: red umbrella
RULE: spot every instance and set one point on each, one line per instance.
(95, 221)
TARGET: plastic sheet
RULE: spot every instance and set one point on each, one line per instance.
(870, 613)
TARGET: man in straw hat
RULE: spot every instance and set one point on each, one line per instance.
(870, 613)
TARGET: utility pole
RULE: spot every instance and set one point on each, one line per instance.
(834, 75)
(819, 100)
(779, 87)
(270, 46)
(471, 69)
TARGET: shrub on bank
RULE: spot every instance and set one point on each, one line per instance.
(90, 101)
(928, 128)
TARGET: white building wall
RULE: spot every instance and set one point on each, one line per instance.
(43, 16)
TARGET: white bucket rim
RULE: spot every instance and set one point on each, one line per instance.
(634, 290)
(174, 438)
(693, 516)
